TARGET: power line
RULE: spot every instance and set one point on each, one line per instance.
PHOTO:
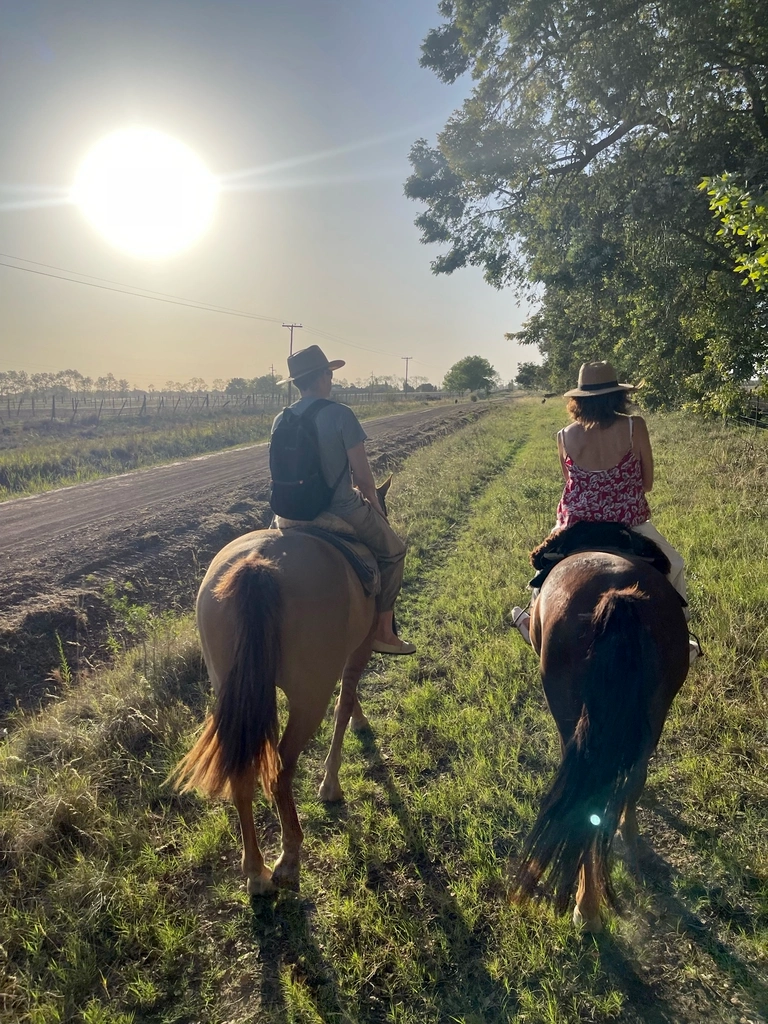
(136, 289)
(120, 288)
(156, 297)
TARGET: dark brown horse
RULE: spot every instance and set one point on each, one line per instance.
(613, 643)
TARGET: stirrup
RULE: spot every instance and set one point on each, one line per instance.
(520, 620)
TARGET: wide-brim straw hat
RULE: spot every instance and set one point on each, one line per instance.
(597, 379)
(309, 360)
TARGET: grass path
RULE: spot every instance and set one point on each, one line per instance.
(122, 903)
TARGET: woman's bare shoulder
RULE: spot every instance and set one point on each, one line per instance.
(640, 424)
(572, 430)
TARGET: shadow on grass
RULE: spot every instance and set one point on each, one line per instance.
(463, 986)
(643, 1001)
(282, 929)
(658, 875)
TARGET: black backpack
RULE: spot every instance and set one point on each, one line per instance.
(299, 490)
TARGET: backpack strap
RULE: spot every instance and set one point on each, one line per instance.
(314, 409)
(311, 415)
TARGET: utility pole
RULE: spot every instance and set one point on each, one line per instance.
(291, 328)
(407, 360)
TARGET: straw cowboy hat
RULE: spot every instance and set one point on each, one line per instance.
(308, 360)
(597, 379)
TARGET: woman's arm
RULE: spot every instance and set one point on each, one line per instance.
(641, 445)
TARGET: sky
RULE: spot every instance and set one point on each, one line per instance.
(310, 108)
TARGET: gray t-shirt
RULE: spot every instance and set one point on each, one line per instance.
(338, 430)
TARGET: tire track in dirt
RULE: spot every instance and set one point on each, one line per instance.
(155, 528)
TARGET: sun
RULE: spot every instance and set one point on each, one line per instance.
(145, 192)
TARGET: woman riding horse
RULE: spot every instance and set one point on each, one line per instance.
(613, 641)
(607, 464)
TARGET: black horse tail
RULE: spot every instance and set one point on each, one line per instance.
(242, 732)
(581, 810)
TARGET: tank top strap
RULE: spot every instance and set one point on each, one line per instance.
(630, 433)
(561, 442)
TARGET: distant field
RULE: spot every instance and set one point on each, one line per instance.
(36, 455)
(121, 902)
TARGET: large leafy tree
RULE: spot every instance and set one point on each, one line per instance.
(572, 170)
(472, 373)
(744, 218)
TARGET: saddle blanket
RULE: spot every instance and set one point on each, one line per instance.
(612, 537)
(340, 535)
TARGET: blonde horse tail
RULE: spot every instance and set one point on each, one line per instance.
(242, 731)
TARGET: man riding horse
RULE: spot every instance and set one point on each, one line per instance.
(287, 609)
(341, 441)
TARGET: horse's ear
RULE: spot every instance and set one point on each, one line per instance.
(383, 488)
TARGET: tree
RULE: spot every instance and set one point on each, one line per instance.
(571, 173)
(237, 386)
(472, 373)
(532, 376)
(744, 218)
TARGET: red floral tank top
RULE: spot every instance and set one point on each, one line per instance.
(612, 495)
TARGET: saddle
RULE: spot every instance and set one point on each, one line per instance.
(340, 535)
(612, 537)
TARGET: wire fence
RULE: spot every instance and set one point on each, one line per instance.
(93, 407)
(756, 413)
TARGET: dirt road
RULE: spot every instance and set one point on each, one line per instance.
(156, 528)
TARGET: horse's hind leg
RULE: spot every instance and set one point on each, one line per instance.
(586, 914)
(347, 706)
(302, 724)
(257, 874)
(629, 829)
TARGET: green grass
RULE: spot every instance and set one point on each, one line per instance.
(36, 457)
(123, 902)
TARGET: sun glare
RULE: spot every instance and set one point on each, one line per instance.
(146, 193)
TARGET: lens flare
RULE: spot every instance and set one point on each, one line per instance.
(146, 193)
(594, 819)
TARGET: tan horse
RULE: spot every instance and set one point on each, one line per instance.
(613, 643)
(277, 609)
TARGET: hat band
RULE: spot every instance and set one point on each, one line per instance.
(599, 387)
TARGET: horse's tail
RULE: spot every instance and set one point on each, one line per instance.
(581, 810)
(242, 731)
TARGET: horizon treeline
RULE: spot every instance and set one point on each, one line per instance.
(69, 382)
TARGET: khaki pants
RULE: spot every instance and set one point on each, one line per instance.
(376, 533)
(676, 564)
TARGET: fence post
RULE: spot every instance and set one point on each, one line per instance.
(53, 407)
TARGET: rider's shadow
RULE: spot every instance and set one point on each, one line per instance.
(282, 930)
(467, 946)
(659, 876)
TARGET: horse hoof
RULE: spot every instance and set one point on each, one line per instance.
(261, 884)
(587, 925)
(286, 879)
(361, 724)
(330, 793)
